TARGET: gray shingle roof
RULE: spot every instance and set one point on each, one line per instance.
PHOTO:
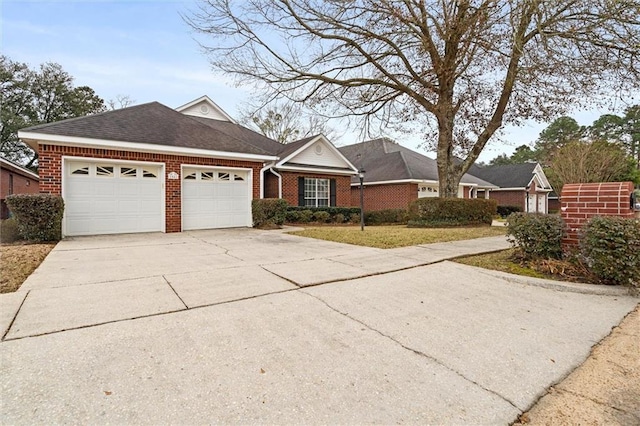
(157, 124)
(506, 176)
(384, 160)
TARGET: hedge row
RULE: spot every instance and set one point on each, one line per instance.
(436, 212)
(345, 215)
(38, 216)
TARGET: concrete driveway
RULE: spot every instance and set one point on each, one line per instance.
(247, 326)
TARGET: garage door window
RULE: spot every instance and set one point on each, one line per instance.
(80, 170)
(149, 174)
(105, 171)
(128, 171)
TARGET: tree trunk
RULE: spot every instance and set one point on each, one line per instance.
(449, 171)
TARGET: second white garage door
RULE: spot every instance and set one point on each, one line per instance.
(215, 198)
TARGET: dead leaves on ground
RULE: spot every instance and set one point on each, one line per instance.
(18, 261)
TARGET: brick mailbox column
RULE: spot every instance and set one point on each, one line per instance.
(580, 202)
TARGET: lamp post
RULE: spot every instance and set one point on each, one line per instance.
(361, 176)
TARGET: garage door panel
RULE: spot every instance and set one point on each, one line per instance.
(214, 199)
(107, 201)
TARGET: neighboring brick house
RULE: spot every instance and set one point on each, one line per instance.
(15, 179)
(151, 168)
(523, 185)
(395, 176)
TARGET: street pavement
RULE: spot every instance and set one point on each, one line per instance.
(248, 326)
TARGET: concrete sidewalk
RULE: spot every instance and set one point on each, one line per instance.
(234, 327)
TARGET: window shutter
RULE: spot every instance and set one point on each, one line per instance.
(301, 191)
(332, 192)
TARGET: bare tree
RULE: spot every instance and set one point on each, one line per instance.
(462, 68)
(285, 121)
(120, 101)
(585, 161)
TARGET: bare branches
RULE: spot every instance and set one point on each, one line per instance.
(466, 65)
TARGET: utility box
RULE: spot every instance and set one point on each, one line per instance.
(579, 202)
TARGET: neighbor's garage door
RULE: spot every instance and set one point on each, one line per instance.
(111, 198)
(215, 198)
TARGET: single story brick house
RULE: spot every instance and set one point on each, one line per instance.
(15, 179)
(523, 185)
(395, 175)
(151, 168)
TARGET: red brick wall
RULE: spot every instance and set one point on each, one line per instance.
(509, 198)
(290, 187)
(582, 201)
(387, 196)
(21, 185)
(50, 170)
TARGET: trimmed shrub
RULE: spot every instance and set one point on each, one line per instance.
(321, 216)
(505, 211)
(380, 217)
(339, 218)
(539, 236)
(9, 231)
(610, 247)
(435, 212)
(355, 218)
(305, 216)
(39, 216)
(294, 213)
(269, 212)
(292, 216)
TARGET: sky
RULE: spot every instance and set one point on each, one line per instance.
(144, 50)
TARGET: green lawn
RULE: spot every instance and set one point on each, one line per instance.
(396, 236)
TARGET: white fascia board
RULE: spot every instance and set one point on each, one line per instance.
(399, 181)
(36, 138)
(19, 169)
(212, 104)
(510, 189)
(281, 163)
(316, 170)
(539, 171)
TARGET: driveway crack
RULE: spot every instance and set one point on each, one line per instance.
(15, 316)
(174, 291)
(226, 250)
(410, 349)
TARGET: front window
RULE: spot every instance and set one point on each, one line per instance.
(316, 192)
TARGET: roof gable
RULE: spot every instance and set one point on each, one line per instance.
(511, 175)
(204, 107)
(313, 152)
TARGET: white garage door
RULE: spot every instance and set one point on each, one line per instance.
(111, 198)
(215, 198)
